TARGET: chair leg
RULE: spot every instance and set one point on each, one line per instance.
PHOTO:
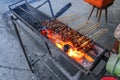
(99, 15)
(106, 14)
(91, 12)
(97, 12)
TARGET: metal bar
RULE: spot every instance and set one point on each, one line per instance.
(103, 70)
(41, 4)
(51, 8)
(52, 71)
(35, 61)
(39, 11)
(28, 25)
(100, 74)
(21, 43)
(105, 58)
(27, 34)
(14, 4)
(98, 60)
(37, 43)
(48, 48)
(30, 13)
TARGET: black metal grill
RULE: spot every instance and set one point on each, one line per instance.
(33, 18)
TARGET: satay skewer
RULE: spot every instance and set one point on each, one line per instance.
(93, 29)
(95, 26)
(81, 25)
(98, 34)
(66, 17)
(72, 20)
(101, 34)
(88, 30)
(92, 36)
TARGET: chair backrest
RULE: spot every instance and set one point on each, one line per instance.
(99, 3)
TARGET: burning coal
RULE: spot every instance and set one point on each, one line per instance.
(68, 40)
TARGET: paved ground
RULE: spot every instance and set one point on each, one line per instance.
(13, 65)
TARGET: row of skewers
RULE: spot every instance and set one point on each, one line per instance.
(70, 41)
(80, 37)
(85, 27)
(68, 34)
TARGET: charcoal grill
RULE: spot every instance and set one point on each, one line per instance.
(34, 18)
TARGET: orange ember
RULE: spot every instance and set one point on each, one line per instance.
(72, 51)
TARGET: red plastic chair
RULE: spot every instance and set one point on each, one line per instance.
(100, 5)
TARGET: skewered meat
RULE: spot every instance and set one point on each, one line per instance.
(68, 34)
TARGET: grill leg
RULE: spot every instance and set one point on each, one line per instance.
(21, 43)
(106, 12)
(97, 12)
(99, 15)
(51, 8)
(91, 12)
(48, 48)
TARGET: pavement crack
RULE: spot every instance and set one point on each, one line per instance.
(14, 68)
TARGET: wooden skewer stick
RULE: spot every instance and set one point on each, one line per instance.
(92, 29)
(82, 31)
(98, 34)
(89, 29)
(101, 34)
(66, 17)
(81, 26)
(95, 34)
(72, 20)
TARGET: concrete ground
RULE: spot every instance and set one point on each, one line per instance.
(13, 65)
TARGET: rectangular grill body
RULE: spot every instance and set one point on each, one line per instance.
(33, 18)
